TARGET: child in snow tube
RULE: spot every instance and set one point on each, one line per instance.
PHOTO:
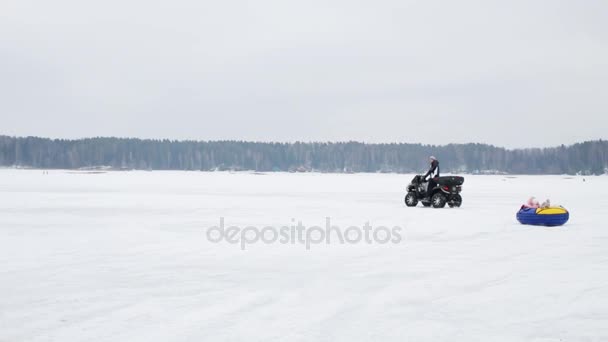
(542, 215)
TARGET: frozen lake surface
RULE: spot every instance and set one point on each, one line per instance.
(124, 256)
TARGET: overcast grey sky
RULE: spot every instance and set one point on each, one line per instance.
(509, 73)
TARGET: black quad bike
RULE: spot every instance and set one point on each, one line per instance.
(447, 191)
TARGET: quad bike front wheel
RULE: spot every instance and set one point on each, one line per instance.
(410, 199)
(456, 201)
(438, 200)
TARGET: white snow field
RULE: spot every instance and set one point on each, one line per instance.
(124, 256)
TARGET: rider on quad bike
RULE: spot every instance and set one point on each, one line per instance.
(432, 174)
(436, 191)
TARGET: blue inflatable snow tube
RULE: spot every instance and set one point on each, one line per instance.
(552, 216)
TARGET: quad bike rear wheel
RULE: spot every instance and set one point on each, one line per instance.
(438, 200)
(456, 201)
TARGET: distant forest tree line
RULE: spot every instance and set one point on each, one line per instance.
(344, 157)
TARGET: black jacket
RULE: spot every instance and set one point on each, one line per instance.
(433, 170)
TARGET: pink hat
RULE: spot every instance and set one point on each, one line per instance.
(532, 202)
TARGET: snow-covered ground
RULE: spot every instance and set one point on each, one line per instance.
(124, 256)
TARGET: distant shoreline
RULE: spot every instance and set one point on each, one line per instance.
(585, 158)
(253, 172)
